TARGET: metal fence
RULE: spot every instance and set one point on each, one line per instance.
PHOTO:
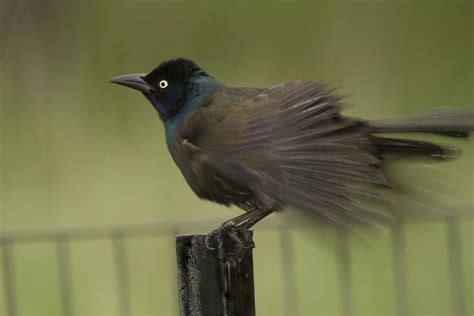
(62, 238)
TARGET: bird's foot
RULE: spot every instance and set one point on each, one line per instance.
(230, 236)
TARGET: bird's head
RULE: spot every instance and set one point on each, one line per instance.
(173, 87)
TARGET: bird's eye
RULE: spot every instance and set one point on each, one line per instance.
(163, 84)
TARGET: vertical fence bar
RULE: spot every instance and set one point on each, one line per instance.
(175, 290)
(214, 282)
(399, 257)
(8, 278)
(65, 274)
(120, 255)
(455, 266)
(290, 290)
(344, 272)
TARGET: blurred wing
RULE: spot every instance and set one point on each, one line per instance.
(291, 143)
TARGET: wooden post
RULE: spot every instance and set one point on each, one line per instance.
(214, 282)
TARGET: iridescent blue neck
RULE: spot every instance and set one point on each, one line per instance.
(199, 90)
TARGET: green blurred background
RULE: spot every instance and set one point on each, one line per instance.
(78, 151)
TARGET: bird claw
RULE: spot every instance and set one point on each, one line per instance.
(239, 238)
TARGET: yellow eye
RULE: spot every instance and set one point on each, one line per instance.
(163, 84)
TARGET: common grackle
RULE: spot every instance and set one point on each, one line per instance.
(262, 149)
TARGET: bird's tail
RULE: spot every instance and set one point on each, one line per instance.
(441, 121)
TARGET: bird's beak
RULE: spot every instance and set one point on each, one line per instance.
(134, 81)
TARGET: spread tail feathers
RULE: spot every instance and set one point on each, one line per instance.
(441, 121)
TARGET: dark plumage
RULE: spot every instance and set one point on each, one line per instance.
(261, 149)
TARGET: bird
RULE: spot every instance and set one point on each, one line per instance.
(262, 149)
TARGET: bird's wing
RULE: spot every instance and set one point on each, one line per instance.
(291, 143)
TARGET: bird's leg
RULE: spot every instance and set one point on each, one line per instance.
(248, 219)
(238, 228)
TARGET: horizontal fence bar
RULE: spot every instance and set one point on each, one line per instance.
(105, 231)
(165, 228)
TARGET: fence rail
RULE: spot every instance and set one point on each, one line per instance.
(119, 234)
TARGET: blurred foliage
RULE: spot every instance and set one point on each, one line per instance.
(76, 150)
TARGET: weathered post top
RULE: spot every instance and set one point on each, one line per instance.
(214, 282)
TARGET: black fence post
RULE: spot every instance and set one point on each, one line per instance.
(214, 282)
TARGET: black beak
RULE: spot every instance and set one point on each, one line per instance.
(134, 81)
